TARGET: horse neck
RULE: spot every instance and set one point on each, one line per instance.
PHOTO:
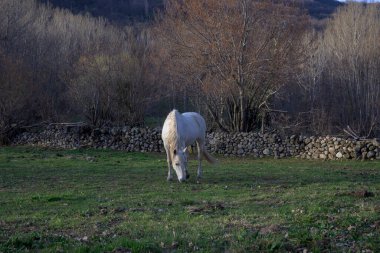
(177, 125)
(176, 128)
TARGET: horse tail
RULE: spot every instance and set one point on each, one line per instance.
(208, 157)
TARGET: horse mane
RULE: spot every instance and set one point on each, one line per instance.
(173, 137)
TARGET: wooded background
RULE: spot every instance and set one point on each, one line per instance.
(309, 67)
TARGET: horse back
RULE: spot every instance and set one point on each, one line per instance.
(194, 119)
(194, 126)
(187, 128)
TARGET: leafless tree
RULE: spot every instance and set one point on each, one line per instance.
(60, 49)
(237, 53)
(342, 78)
(115, 88)
(352, 45)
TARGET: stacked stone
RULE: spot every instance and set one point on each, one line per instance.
(51, 136)
(332, 148)
(227, 144)
(254, 144)
(118, 138)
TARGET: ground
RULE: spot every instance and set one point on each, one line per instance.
(112, 201)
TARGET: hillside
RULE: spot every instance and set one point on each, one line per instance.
(321, 8)
(126, 11)
(116, 11)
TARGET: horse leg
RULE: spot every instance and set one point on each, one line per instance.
(199, 148)
(170, 176)
(187, 155)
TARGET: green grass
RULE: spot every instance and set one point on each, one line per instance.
(112, 201)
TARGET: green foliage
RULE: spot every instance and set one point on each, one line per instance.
(111, 201)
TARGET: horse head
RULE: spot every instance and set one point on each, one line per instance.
(180, 163)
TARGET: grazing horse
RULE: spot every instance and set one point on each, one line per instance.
(179, 132)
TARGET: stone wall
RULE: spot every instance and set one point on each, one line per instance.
(118, 138)
(232, 144)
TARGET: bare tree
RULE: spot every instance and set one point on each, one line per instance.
(352, 44)
(237, 53)
(57, 50)
(115, 88)
(342, 76)
(15, 94)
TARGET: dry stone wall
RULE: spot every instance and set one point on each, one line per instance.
(227, 144)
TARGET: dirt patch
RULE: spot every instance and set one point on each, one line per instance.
(357, 193)
(138, 209)
(166, 202)
(240, 223)
(103, 210)
(376, 225)
(362, 194)
(121, 250)
(119, 210)
(205, 208)
(273, 228)
(196, 189)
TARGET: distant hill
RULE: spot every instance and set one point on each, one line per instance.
(127, 11)
(116, 11)
(321, 8)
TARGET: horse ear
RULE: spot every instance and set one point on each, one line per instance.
(175, 151)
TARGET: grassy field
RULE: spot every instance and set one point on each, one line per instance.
(111, 201)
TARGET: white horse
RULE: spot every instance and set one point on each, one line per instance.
(179, 132)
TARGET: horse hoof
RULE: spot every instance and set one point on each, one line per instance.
(187, 176)
(169, 179)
